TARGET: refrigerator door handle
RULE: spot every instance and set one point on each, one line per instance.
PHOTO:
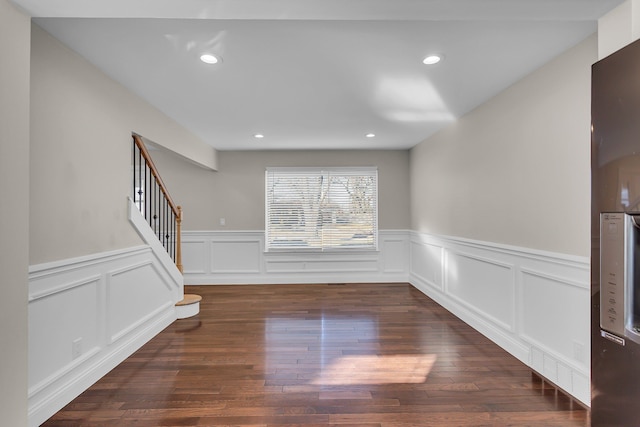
(632, 279)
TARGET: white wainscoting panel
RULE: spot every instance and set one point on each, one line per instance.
(534, 304)
(195, 256)
(72, 321)
(395, 251)
(238, 257)
(88, 314)
(427, 263)
(483, 285)
(549, 296)
(132, 298)
(235, 256)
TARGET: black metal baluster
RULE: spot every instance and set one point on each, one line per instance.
(167, 227)
(165, 235)
(153, 207)
(163, 208)
(157, 210)
(160, 213)
(133, 162)
(150, 195)
(153, 202)
(140, 179)
(147, 186)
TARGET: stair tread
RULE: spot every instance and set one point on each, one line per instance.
(189, 299)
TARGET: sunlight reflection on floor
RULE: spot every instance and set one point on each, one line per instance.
(395, 369)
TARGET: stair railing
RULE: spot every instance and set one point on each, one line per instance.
(153, 200)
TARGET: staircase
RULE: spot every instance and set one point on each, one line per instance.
(152, 199)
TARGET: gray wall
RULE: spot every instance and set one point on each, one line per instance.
(516, 170)
(14, 232)
(81, 125)
(236, 191)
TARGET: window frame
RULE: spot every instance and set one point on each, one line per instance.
(366, 171)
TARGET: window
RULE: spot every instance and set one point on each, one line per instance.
(321, 209)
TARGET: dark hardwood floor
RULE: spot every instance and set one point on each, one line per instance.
(369, 355)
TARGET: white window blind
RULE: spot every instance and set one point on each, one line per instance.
(321, 209)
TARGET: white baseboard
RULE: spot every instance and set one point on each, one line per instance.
(534, 304)
(87, 314)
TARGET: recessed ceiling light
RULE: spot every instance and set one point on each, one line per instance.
(432, 59)
(370, 135)
(258, 135)
(207, 58)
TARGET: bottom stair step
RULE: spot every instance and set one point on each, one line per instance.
(189, 306)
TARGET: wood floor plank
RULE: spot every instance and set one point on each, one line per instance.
(368, 355)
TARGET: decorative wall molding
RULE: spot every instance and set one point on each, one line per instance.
(88, 314)
(534, 304)
(141, 225)
(238, 257)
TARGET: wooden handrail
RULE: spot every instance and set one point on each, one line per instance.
(154, 172)
(177, 210)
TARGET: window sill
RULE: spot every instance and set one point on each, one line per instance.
(314, 251)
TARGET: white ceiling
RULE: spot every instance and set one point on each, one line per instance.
(317, 74)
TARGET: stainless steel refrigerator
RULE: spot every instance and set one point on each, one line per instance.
(615, 263)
